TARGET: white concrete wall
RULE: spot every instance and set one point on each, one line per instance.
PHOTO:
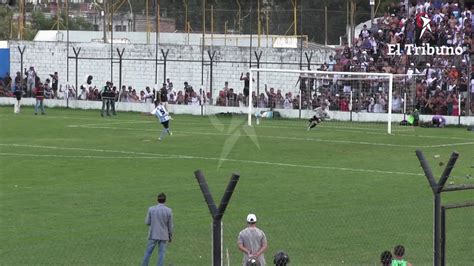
(48, 57)
(210, 110)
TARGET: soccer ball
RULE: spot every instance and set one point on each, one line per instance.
(252, 262)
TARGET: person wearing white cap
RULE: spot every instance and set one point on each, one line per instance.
(252, 242)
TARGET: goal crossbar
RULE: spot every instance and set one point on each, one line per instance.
(389, 76)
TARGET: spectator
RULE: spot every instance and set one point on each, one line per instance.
(252, 241)
(48, 92)
(142, 97)
(7, 80)
(195, 99)
(397, 103)
(246, 80)
(398, 253)
(18, 92)
(148, 95)
(39, 93)
(232, 98)
(386, 258)
(163, 94)
(188, 89)
(54, 84)
(180, 98)
(30, 80)
(262, 101)
(169, 85)
(134, 98)
(281, 258)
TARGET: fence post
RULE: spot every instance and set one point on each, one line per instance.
(308, 59)
(258, 57)
(120, 54)
(211, 57)
(76, 56)
(216, 213)
(165, 60)
(443, 236)
(22, 51)
(437, 188)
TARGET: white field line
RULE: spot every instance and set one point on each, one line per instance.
(175, 156)
(335, 128)
(324, 126)
(286, 138)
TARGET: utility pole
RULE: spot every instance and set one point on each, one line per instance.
(104, 13)
(372, 14)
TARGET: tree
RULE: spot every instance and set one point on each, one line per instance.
(5, 23)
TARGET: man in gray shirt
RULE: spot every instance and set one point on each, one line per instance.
(252, 242)
(160, 220)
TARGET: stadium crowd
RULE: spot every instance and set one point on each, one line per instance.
(432, 83)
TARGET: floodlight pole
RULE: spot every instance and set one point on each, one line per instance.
(216, 213)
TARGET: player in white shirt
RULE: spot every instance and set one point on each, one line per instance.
(321, 113)
(162, 114)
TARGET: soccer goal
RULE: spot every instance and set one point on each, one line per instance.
(366, 101)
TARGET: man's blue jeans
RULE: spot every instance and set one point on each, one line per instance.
(161, 251)
(39, 104)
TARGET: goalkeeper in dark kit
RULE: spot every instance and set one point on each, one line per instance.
(321, 113)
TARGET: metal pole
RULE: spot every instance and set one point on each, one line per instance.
(216, 213)
(211, 57)
(437, 220)
(216, 240)
(372, 13)
(212, 25)
(350, 104)
(258, 23)
(295, 3)
(404, 105)
(250, 57)
(437, 188)
(76, 53)
(111, 41)
(325, 25)
(308, 59)
(104, 15)
(147, 22)
(443, 236)
(165, 60)
(459, 107)
(120, 54)
(67, 41)
(249, 122)
(21, 63)
(156, 45)
(258, 57)
(203, 42)
(301, 34)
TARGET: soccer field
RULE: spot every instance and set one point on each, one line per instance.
(75, 188)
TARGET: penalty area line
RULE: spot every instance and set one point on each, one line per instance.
(177, 156)
(289, 138)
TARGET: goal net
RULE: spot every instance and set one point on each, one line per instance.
(365, 101)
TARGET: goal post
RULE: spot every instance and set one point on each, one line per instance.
(282, 77)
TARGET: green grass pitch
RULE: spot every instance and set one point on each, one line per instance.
(75, 188)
